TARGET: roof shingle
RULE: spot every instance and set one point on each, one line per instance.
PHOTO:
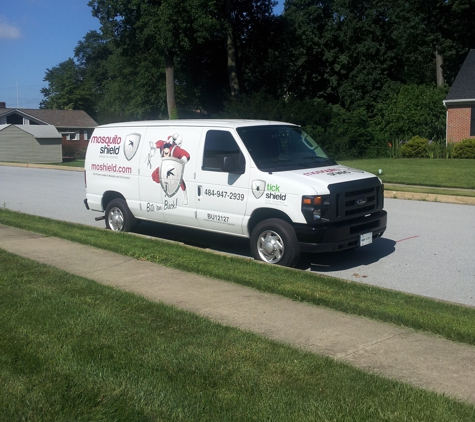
(72, 119)
(463, 87)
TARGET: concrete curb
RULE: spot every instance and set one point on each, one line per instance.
(420, 359)
(430, 197)
(42, 166)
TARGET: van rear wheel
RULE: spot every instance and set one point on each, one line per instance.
(274, 241)
(119, 217)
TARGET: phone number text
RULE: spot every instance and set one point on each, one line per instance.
(225, 195)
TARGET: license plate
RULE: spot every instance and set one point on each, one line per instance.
(366, 239)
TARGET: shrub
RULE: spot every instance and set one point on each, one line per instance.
(416, 147)
(69, 151)
(395, 148)
(464, 149)
(81, 153)
(436, 149)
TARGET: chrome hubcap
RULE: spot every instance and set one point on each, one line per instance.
(270, 246)
(116, 219)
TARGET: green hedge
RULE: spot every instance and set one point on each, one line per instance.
(464, 149)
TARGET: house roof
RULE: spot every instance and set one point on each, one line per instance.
(463, 88)
(72, 119)
(38, 131)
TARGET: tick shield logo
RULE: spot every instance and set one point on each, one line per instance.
(132, 141)
(258, 188)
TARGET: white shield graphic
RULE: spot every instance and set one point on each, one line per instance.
(258, 188)
(171, 173)
(132, 141)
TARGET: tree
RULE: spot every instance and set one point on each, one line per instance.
(67, 88)
(308, 74)
(157, 28)
(257, 39)
(450, 23)
(231, 51)
(92, 54)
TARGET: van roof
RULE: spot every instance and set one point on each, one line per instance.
(229, 123)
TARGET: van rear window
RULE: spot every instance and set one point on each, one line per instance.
(218, 144)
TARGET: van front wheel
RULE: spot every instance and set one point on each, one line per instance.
(118, 216)
(274, 241)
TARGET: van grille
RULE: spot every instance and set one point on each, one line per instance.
(355, 199)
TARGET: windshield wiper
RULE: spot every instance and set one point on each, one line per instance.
(325, 160)
(313, 157)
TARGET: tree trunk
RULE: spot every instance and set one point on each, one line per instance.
(170, 85)
(231, 52)
(439, 61)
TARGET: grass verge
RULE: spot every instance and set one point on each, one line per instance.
(448, 320)
(76, 163)
(71, 349)
(427, 190)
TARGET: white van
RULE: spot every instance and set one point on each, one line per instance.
(267, 181)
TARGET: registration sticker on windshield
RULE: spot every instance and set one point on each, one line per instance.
(366, 239)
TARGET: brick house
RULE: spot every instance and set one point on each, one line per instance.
(74, 126)
(460, 103)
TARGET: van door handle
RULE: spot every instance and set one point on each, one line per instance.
(199, 190)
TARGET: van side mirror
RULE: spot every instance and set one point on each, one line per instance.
(233, 164)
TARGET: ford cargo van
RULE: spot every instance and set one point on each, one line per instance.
(267, 181)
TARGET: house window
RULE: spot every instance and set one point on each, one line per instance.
(472, 121)
(71, 136)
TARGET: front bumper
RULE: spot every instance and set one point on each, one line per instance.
(339, 236)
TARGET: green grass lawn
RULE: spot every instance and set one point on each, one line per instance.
(71, 349)
(74, 350)
(451, 321)
(420, 171)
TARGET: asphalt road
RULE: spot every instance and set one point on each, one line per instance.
(426, 250)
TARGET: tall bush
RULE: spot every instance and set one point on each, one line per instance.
(350, 135)
(464, 149)
(412, 110)
(416, 147)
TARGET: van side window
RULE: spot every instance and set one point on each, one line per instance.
(219, 144)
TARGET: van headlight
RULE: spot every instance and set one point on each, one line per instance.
(315, 208)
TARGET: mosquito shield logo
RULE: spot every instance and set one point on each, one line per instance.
(132, 141)
(171, 174)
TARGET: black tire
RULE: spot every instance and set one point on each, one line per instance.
(274, 241)
(119, 217)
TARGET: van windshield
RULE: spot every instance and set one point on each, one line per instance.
(282, 148)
